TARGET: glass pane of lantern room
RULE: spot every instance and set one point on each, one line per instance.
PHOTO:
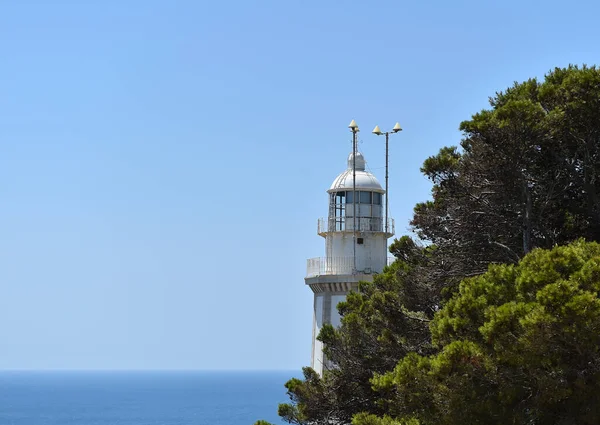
(349, 197)
(365, 197)
(340, 204)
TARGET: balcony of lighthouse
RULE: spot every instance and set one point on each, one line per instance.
(324, 266)
(363, 224)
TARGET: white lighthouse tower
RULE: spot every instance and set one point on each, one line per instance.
(356, 236)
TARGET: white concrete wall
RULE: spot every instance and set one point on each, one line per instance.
(317, 352)
(372, 253)
(325, 312)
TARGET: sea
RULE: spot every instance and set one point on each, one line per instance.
(141, 398)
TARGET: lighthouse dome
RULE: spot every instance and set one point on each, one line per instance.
(364, 179)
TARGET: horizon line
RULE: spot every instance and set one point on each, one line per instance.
(141, 370)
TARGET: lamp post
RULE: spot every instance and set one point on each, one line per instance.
(378, 132)
(354, 129)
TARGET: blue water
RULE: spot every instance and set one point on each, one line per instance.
(140, 398)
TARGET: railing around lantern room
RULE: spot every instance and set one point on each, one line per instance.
(363, 224)
(320, 266)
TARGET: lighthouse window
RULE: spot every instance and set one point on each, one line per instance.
(339, 197)
(365, 197)
(349, 197)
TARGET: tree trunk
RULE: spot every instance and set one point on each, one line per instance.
(527, 227)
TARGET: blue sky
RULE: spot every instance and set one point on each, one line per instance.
(163, 163)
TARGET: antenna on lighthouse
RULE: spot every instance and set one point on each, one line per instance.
(377, 131)
(354, 128)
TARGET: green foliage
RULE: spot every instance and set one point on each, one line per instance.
(443, 166)
(528, 175)
(366, 419)
(519, 344)
(307, 399)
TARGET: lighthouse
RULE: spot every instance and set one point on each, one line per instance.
(356, 235)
